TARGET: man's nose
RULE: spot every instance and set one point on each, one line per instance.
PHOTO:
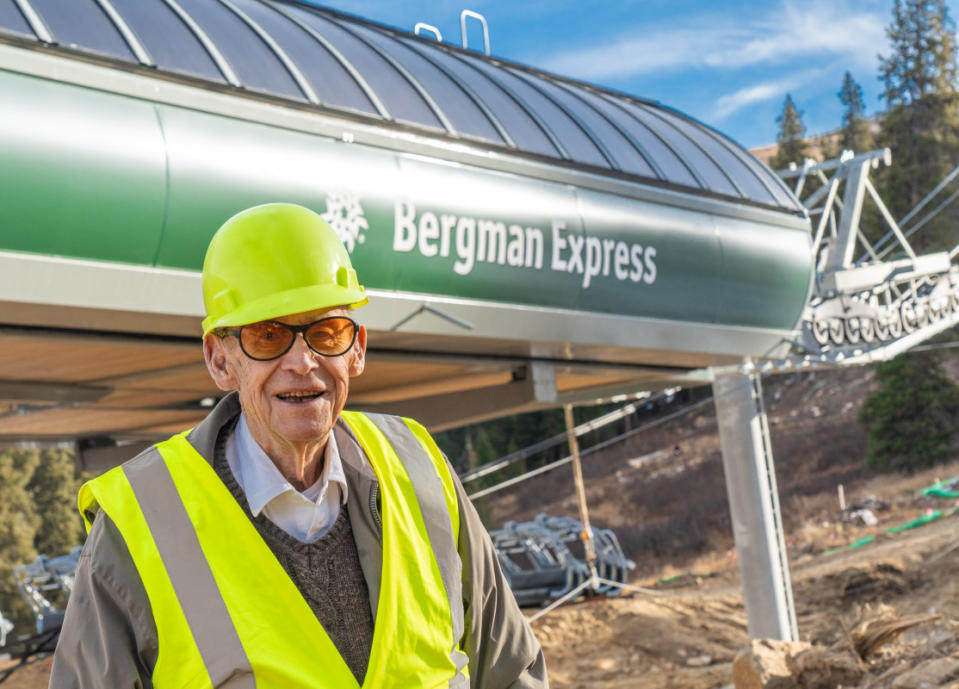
(300, 358)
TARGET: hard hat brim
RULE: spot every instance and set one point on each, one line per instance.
(311, 298)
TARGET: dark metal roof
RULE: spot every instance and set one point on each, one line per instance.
(337, 62)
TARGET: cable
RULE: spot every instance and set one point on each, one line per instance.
(559, 438)
(566, 460)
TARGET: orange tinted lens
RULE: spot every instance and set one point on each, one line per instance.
(331, 336)
(265, 340)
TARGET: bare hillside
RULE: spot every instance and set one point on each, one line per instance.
(663, 490)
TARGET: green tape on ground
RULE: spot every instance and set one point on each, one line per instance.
(939, 490)
(672, 578)
(916, 523)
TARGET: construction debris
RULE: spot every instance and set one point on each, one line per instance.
(46, 577)
(771, 664)
(763, 664)
(6, 626)
(882, 624)
(825, 668)
(539, 562)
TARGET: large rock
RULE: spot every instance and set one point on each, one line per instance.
(769, 664)
(763, 664)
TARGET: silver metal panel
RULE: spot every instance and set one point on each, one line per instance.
(327, 124)
(682, 126)
(578, 121)
(469, 90)
(840, 255)
(695, 147)
(339, 57)
(118, 297)
(627, 109)
(766, 177)
(131, 39)
(221, 62)
(754, 507)
(36, 22)
(568, 130)
(301, 81)
(868, 276)
(490, 75)
(405, 73)
(462, 111)
(640, 150)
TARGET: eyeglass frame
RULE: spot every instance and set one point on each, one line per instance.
(235, 331)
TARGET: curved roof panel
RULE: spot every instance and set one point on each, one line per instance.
(318, 57)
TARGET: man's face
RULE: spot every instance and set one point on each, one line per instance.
(277, 412)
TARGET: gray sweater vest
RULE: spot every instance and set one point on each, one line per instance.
(327, 573)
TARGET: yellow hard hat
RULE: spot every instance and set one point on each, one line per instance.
(275, 260)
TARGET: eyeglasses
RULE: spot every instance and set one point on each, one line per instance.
(267, 340)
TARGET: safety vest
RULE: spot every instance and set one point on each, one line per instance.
(226, 612)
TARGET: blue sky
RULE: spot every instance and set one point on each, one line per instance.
(728, 64)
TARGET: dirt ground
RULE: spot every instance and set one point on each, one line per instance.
(688, 636)
(663, 493)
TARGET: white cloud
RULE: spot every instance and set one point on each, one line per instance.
(738, 100)
(779, 33)
(766, 90)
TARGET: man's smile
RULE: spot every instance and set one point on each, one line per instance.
(300, 396)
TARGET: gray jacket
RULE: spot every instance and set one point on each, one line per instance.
(109, 638)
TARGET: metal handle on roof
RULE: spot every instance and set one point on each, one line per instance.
(475, 15)
(428, 27)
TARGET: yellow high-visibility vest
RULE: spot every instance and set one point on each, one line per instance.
(228, 615)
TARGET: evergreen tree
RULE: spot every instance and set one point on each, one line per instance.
(912, 418)
(18, 526)
(791, 138)
(54, 487)
(922, 121)
(38, 514)
(485, 452)
(855, 135)
(829, 146)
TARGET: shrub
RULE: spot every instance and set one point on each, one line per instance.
(911, 418)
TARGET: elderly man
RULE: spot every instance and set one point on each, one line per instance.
(284, 542)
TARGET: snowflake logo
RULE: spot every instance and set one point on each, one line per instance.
(345, 215)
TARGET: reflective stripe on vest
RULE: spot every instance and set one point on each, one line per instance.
(226, 612)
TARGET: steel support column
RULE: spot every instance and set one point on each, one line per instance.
(754, 506)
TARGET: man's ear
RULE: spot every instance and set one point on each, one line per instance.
(359, 353)
(217, 363)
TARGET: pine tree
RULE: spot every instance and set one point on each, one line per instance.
(38, 514)
(923, 59)
(18, 526)
(791, 138)
(485, 452)
(54, 487)
(911, 420)
(855, 135)
(922, 122)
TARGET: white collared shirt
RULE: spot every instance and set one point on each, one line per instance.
(306, 516)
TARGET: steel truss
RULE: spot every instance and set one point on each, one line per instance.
(870, 301)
